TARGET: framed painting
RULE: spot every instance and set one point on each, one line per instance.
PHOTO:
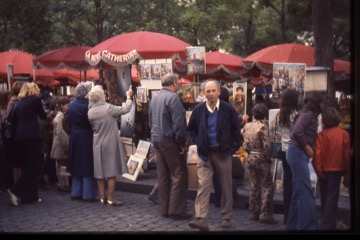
(166, 68)
(134, 165)
(145, 71)
(240, 97)
(155, 71)
(288, 75)
(195, 57)
(127, 122)
(142, 149)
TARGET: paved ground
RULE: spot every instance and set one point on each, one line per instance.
(58, 214)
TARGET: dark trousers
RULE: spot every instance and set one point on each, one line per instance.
(50, 165)
(329, 196)
(287, 185)
(30, 155)
(172, 178)
(3, 169)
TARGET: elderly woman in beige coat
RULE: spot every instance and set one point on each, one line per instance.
(109, 153)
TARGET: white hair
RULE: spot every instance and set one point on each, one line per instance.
(96, 94)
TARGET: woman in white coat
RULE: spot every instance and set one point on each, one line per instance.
(109, 153)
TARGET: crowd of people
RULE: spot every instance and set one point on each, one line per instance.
(75, 142)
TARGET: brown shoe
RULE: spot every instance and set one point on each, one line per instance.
(226, 223)
(199, 224)
(268, 221)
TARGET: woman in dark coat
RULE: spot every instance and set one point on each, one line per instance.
(80, 162)
(28, 140)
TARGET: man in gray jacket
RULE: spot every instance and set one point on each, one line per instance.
(168, 132)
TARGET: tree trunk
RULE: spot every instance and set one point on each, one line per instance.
(323, 38)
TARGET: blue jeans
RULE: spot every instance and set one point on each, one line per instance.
(85, 187)
(302, 209)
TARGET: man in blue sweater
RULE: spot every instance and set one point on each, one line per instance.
(214, 128)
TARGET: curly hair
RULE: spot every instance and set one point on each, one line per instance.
(29, 89)
(289, 103)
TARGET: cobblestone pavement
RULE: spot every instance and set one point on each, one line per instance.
(57, 213)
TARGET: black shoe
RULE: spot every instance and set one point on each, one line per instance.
(91, 200)
(153, 199)
(180, 216)
(76, 198)
(268, 221)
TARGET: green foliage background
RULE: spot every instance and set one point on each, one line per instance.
(240, 27)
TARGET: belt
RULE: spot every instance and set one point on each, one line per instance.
(253, 152)
(214, 149)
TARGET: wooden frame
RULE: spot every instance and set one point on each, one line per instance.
(134, 166)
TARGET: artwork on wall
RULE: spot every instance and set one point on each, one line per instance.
(186, 92)
(288, 75)
(127, 123)
(195, 57)
(152, 70)
(240, 97)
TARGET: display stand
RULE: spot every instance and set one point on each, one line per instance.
(136, 161)
(129, 146)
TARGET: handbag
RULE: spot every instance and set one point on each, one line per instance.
(275, 150)
(275, 146)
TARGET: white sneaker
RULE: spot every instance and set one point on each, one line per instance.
(14, 199)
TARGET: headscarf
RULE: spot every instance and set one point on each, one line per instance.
(82, 89)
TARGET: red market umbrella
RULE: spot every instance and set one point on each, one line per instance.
(222, 66)
(288, 53)
(125, 48)
(342, 66)
(229, 63)
(183, 81)
(135, 74)
(22, 65)
(49, 83)
(73, 75)
(68, 57)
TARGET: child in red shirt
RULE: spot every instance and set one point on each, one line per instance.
(331, 162)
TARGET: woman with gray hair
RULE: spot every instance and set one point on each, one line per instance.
(80, 163)
(109, 153)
